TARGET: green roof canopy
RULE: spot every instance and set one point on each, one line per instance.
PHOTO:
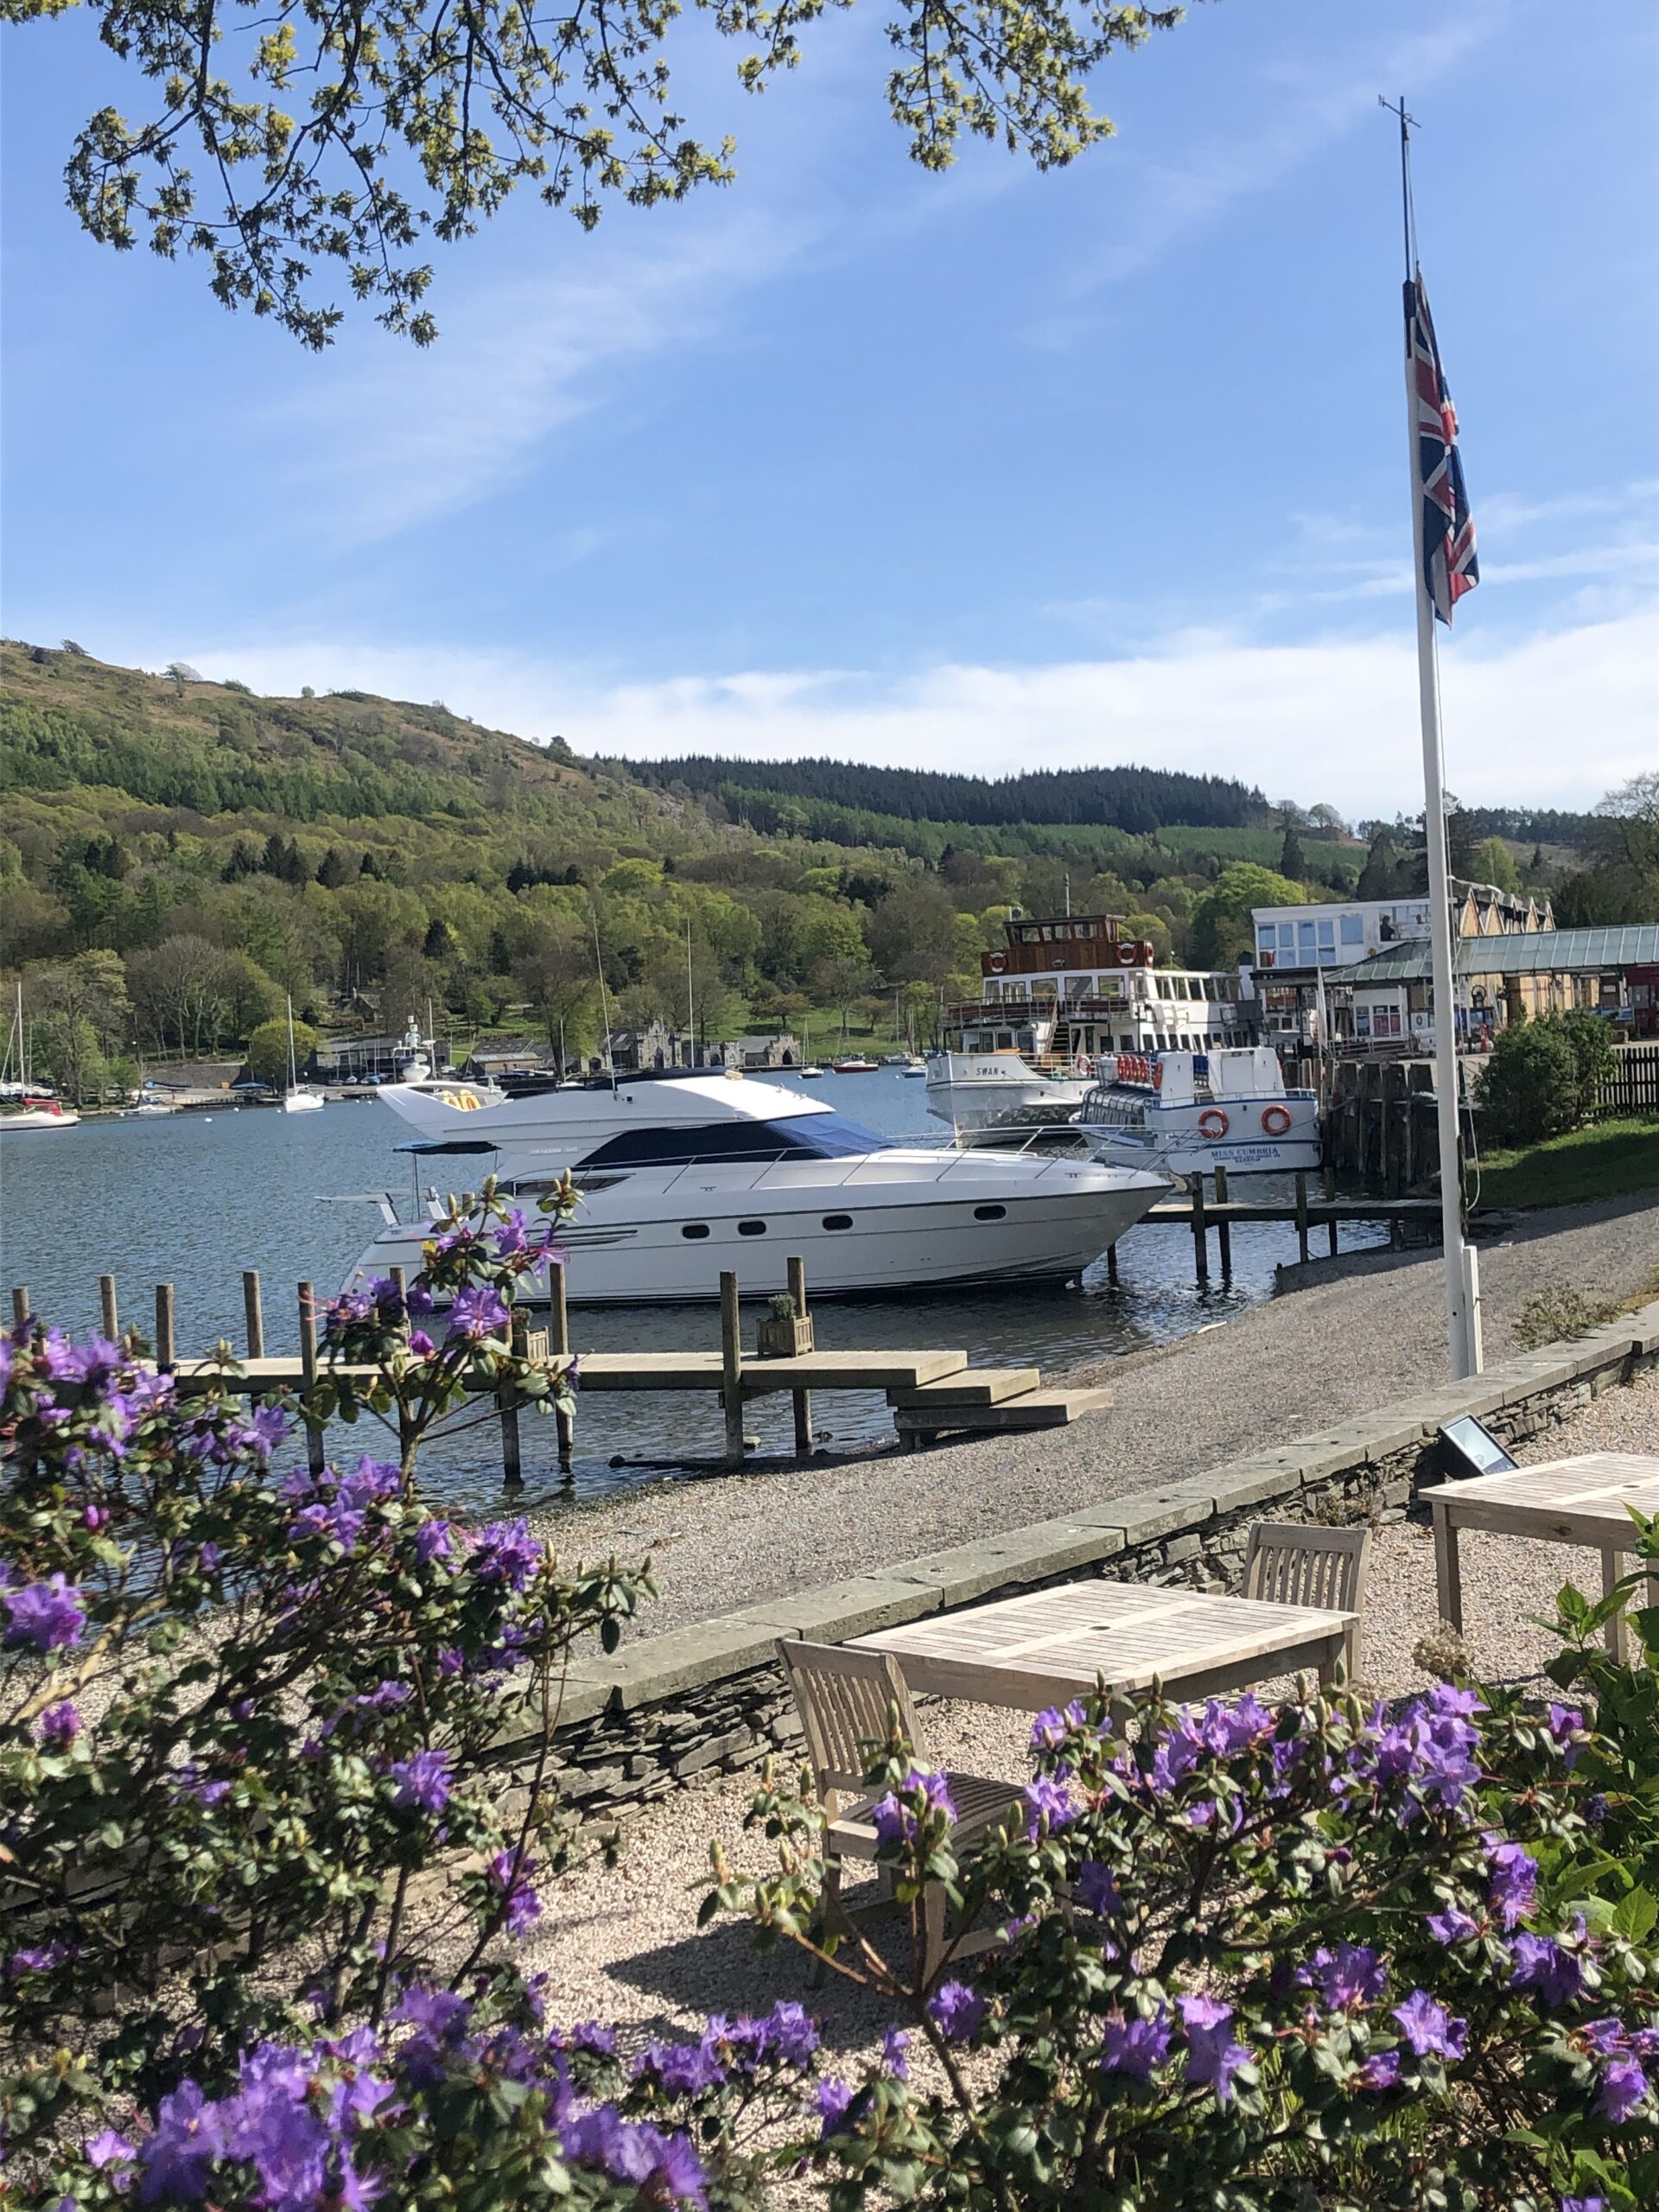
(1533, 952)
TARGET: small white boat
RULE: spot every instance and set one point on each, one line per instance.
(38, 1106)
(297, 1099)
(1193, 1112)
(51, 1115)
(809, 1074)
(855, 1064)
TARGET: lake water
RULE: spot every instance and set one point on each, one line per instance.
(195, 1198)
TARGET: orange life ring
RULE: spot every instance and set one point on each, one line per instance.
(1212, 1122)
(1276, 1120)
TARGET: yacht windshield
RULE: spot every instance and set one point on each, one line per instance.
(793, 1136)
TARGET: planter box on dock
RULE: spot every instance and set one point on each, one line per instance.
(786, 1336)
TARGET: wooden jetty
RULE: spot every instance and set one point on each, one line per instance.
(1224, 1213)
(932, 1393)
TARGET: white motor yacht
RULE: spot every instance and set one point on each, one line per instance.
(1194, 1112)
(682, 1177)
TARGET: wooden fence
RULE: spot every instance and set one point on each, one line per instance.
(1633, 1086)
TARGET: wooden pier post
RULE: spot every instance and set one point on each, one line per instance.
(731, 1366)
(1302, 1212)
(19, 1305)
(1329, 1179)
(165, 1359)
(107, 1308)
(1111, 1265)
(253, 1308)
(315, 1456)
(558, 1343)
(507, 1399)
(1200, 1248)
(801, 1399)
(1223, 1227)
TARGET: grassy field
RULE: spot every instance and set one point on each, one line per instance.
(1610, 1159)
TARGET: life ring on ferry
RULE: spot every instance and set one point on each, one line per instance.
(1212, 1122)
(1276, 1120)
(996, 962)
(1127, 955)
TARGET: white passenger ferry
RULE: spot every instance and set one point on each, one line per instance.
(1193, 1112)
(1059, 1002)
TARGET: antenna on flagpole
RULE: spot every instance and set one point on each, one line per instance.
(1407, 213)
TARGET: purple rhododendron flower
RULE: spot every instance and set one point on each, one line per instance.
(510, 1238)
(956, 2011)
(1623, 2087)
(1212, 2057)
(1229, 1729)
(1541, 1963)
(421, 1345)
(1048, 1800)
(523, 1906)
(1351, 1975)
(790, 2031)
(1134, 2046)
(188, 2136)
(663, 2168)
(423, 1781)
(1584, 2204)
(505, 1551)
(434, 1538)
(47, 1615)
(1176, 1756)
(833, 2098)
(42, 1958)
(1513, 1879)
(109, 2149)
(1428, 2028)
(895, 2054)
(896, 1823)
(681, 2070)
(1380, 2071)
(476, 1313)
(1097, 1889)
(1049, 1729)
(58, 1726)
(1451, 1926)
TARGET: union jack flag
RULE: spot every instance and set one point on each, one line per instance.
(1450, 567)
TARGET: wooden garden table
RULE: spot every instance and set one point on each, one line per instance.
(1051, 1645)
(1582, 1500)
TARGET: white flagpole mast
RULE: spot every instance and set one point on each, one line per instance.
(1462, 1292)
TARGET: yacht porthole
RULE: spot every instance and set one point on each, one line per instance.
(838, 1221)
(751, 1228)
(989, 1213)
(694, 1229)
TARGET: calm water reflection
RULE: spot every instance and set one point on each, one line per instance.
(195, 1198)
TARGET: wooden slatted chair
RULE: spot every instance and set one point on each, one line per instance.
(1293, 1563)
(845, 1698)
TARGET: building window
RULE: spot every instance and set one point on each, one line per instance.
(1265, 939)
(1327, 932)
(1305, 939)
(1353, 930)
(1286, 937)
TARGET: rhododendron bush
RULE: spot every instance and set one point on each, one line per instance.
(262, 1877)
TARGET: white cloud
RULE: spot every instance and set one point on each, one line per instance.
(1553, 719)
(414, 436)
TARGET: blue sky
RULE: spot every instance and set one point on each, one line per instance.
(985, 471)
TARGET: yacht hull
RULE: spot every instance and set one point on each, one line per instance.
(999, 1091)
(889, 1223)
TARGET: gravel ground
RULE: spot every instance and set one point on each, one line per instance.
(1358, 1334)
(622, 1944)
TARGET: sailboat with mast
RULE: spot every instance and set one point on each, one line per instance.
(38, 1107)
(297, 1099)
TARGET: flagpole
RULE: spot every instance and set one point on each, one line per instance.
(1461, 1281)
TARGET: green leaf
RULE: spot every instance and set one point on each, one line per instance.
(1635, 1916)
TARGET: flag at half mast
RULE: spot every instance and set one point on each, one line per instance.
(1450, 567)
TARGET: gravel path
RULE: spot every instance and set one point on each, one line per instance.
(622, 1944)
(1358, 1334)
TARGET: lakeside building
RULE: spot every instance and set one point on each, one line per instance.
(1300, 952)
(1384, 1002)
(659, 1047)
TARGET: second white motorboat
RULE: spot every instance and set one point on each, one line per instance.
(1193, 1112)
(682, 1177)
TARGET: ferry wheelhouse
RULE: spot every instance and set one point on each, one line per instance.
(1065, 995)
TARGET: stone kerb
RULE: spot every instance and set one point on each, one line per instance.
(710, 1697)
